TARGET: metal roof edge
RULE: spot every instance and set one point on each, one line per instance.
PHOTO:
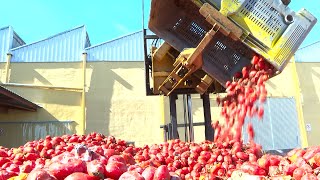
(78, 27)
(20, 39)
(85, 37)
(106, 42)
(5, 27)
(13, 33)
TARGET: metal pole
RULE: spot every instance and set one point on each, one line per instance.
(83, 99)
(9, 56)
(189, 103)
(173, 115)
(147, 64)
(165, 133)
(185, 114)
(209, 131)
(170, 131)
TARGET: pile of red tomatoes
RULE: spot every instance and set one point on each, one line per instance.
(96, 156)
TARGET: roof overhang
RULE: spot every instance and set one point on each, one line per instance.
(11, 100)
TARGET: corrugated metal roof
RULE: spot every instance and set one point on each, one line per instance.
(12, 100)
(63, 47)
(308, 53)
(125, 48)
(8, 39)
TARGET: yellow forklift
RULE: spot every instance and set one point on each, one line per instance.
(205, 42)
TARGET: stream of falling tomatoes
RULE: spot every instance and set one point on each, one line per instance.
(245, 97)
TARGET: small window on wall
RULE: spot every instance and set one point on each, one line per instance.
(279, 128)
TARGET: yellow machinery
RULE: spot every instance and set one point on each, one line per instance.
(207, 41)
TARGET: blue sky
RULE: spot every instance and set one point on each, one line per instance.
(34, 20)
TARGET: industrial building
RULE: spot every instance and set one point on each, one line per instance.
(64, 84)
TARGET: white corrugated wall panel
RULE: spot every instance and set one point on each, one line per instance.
(21, 132)
(279, 128)
(285, 124)
(64, 47)
(126, 48)
(309, 53)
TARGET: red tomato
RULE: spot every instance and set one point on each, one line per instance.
(115, 169)
(40, 174)
(95, 168)
(242, 155)
(309, 176)
(245, 73)
(317, 159)
(289, 169)
(260, 112)
(130, 175)
(79, 176)
(264, 162)
(162, 173)
(3, 153)
(61, 170)
(255, 60)
(148, 173)
(117, 158)
(298, 173)
(31, 156)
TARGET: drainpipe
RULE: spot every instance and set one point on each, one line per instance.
(302, 127)
(162, 111)
(9, 55)
(83, 99)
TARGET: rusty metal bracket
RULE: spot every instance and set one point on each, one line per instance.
(187, 63)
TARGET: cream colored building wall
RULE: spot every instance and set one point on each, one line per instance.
(53, 74)
(2, 72)
(57, 105)
(309, 79)
(117, 104)
(282, 85)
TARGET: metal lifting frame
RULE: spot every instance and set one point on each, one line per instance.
(171, 129)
